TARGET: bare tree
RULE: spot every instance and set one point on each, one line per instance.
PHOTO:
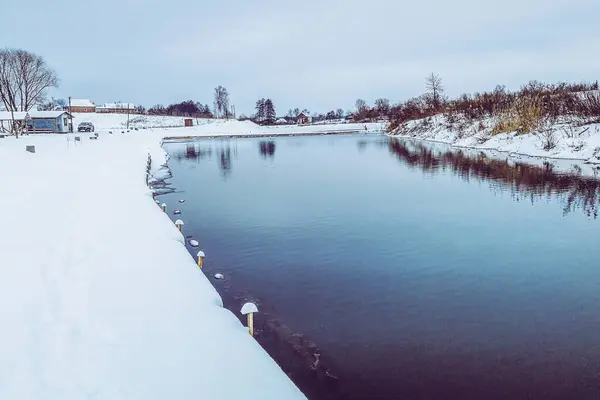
(361, 105)
(221, 102)
(433, 83)
(362, 109)
(382, 106)
(24, 79)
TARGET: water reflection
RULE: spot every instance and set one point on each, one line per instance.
(522, 179)
(267, 148)
(225, 161)
(191, 151)
(362, 145)
(197, 151)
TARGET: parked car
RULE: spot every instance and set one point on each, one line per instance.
(85, 127)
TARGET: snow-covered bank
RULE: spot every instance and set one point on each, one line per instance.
(322, 128)
(560, 141)
(99, 296)
(119, 122)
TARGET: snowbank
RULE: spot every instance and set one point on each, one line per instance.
(569, 141)
(98, 295)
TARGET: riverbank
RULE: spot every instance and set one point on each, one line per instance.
(99, 296)
(564, 140)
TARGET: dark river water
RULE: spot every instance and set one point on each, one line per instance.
(419, 271)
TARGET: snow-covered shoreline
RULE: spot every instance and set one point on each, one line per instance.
(571, 142)
(99, 296)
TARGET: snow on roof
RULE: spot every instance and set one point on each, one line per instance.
(118, 105)
(46, 114)
(82, 103)
(7, 116)
(20, 115)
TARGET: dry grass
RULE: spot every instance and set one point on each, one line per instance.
(524, 116)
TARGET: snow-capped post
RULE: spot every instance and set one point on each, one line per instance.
(179, 223)
(201, 258)
(164, 207)
(249, 309)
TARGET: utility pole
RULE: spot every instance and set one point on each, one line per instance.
(70, 116)
(127, 116)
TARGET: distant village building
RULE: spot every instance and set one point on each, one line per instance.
(81, 106)
(303, 119)
(116, 108)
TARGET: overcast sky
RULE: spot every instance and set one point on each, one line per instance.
(312, 54)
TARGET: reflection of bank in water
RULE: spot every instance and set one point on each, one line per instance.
(522, 179)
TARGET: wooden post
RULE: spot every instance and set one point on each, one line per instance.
(164, 207)
(179, 224)
(251, 324)
(200, 258)
(249, 309)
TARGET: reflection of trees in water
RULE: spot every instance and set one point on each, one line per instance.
(225, 160)
(191, 152)
(524, 180)
(267, 148)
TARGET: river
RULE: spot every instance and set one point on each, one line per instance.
(402, 269)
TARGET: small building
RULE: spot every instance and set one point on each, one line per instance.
(116, 108)
(81, 106)
(188, 122)
(303, 119)
(34, 121)
(48, 121)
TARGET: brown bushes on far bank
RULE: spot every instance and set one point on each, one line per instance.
(523, 111)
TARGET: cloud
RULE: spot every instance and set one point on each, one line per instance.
(318, 54)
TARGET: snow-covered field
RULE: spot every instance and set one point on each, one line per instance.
(570, 141)
(98, 295)
(119, 121)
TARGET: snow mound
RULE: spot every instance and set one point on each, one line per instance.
(194, 243)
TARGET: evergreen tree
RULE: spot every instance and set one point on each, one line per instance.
(260, 110)
(269, 112)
